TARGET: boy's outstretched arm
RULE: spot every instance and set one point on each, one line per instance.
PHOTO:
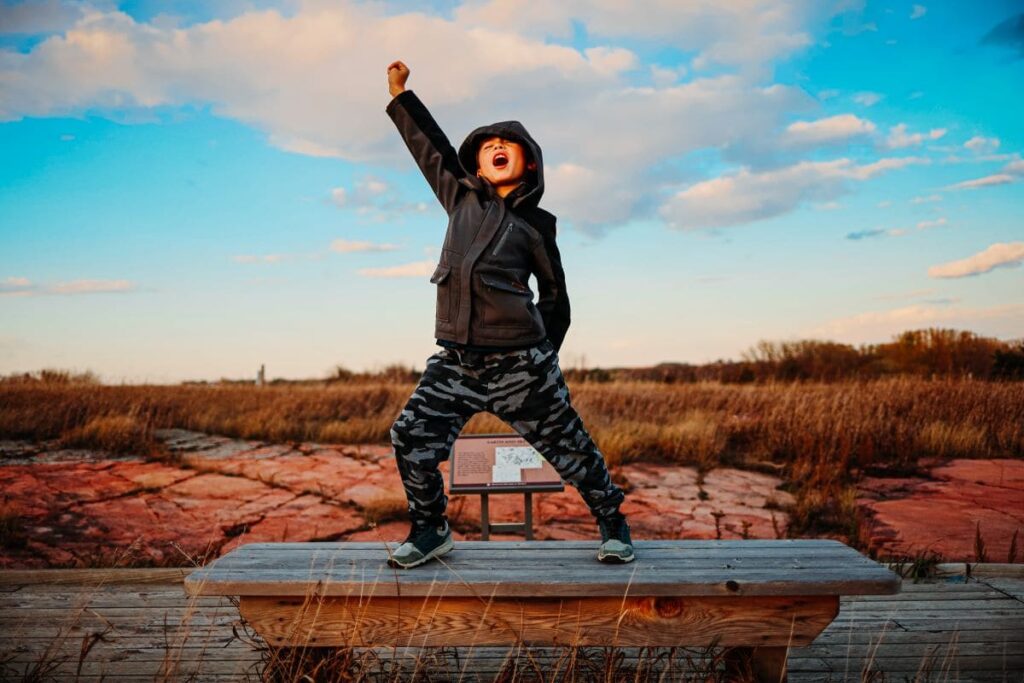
(553, 302)
(431, 149)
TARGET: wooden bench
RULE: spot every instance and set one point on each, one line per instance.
(753, 597)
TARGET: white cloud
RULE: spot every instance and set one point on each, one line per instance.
(828, 94)
(610, 61)
(875, 232)
(926, 199)
(22, 286)
(1015, 167)
(874, 326)
(924, 225)
(829, 129)
(375, 198)
(744, 33)
(747, 196)
(665, 76)
(608, 184)
(999, 255)
(415, 269)
(986, 181)
(867, 99)
(343, 246)
(92, 286)
(982, 144)
(40, 16)
(898, 136)
(17, 286)
(918, 11)
(312, 80)
(339, 196)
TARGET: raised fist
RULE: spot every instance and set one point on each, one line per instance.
(398, 73)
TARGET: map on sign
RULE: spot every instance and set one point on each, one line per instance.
(517, 456)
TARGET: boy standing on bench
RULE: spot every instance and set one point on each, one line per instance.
(499, 350)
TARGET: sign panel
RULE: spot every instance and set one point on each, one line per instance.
(482, 462)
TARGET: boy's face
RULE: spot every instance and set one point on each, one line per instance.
(501, 161)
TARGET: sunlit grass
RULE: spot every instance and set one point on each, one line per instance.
(820, 437)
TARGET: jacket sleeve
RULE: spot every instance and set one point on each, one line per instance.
(553, 302)
(431, 149)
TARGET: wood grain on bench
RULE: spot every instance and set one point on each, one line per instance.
(696, 593)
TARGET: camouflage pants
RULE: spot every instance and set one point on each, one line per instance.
(525, 389)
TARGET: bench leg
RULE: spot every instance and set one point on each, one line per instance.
(761, 664)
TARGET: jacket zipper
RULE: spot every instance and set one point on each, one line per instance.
(501, 240)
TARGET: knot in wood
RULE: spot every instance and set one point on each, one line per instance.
(668, 607)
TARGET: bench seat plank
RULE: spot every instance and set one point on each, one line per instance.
(549, 569)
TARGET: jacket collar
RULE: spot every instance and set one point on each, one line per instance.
(515, 197)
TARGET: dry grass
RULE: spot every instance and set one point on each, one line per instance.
(113, 433)
(386, 508)
(819, 436)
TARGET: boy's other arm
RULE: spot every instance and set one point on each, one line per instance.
(431, 149)
(553, 302)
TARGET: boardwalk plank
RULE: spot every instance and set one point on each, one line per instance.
(918, 626)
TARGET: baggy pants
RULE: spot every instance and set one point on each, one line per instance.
(526, 389)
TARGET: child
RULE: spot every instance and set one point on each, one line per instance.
(499, 350)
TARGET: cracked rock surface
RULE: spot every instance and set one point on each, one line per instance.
(941, 512)
(80, 508)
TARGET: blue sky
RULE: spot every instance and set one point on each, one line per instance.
(190, 189)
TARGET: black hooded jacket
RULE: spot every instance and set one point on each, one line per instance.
(492, 244)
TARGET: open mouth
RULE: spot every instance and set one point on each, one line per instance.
(499, 160)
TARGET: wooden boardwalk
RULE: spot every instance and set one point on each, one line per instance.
(138, 624)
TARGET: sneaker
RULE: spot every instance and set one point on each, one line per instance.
(616, 546)
(423, 543)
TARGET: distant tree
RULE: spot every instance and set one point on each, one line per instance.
(340, 374)
(1008, 363)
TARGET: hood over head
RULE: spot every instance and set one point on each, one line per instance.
(512, 130)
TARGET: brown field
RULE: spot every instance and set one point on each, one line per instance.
(820, 437)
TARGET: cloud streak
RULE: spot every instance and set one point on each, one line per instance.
(343, 246)
(899, 137)
(414, 269)
(748, 196)
(999, 255)
(22, 286)
(876, 326)
(831, 129)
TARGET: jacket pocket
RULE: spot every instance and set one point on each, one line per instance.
(507, 302)
(444, 289)
(515, 287)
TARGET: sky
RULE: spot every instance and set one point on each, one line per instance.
(191, 189)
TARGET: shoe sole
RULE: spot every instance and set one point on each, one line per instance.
(442, 549)
(614, 559)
